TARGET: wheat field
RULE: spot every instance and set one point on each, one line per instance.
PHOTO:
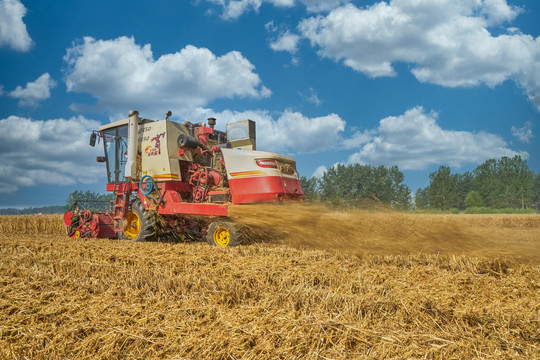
(308, 283)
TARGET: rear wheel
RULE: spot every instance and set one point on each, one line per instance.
(140, 224)
(223, 234)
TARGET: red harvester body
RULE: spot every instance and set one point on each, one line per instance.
(177, 181)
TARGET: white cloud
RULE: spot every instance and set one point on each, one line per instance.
(523, 133)
(311, 97)
(319, 172)
(233, 9)
(322, 5)
(498, 11)
(529, 77)
(286, 42)
(414, 141)
(446, 41)
(358, 139)
(13, 31)
(298, 133)
(288, 132)
(37, 152)
(123, 75)
(34, 91)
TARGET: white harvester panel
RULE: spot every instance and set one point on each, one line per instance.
(243, 163)
(260, 176)
(159, 149)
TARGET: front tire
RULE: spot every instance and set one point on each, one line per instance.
(140, 224)
(222, 234)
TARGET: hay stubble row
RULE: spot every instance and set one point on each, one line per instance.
(109, 299)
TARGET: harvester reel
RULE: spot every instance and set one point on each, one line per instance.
(87, 214)
(222, 233)
(140, 224)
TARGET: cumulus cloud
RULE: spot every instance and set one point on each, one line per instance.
(13, 31)
(286, 132)
(54, 152)
(498, 11)
(529, 77)
(34, 91)
(358, 139)
(123, 75)
(448, 42)
(311, 97)
(414, 140)
(233, 9)
(524, 133)
(322, 5)
(286, 41)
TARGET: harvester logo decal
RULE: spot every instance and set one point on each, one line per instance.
(156, 150)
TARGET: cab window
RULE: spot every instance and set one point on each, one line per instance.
(115, 142)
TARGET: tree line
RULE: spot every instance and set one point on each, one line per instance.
(90, 199)
(55, 209)
(496, 184)
(359, 185)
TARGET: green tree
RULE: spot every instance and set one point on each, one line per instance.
(442, 193)
(474, 199)
(517, 182)
(336, 182)
(523, 183)
(464, 185)
(398, 193)
(536, 192)
(505, 183)
(82, 196)
(309, 186)
(421, 200)
(357, 184)
(486, 182)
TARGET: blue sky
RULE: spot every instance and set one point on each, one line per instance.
(416, 84)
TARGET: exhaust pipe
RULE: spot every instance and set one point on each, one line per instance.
(190, 142)
(133, 133)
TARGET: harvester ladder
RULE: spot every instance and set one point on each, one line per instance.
(121, 205)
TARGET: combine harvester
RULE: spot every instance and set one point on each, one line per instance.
(177, 181)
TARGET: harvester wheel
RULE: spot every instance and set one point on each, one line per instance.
(140, 224)
(223, 234)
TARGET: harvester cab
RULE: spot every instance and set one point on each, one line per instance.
(174, 180)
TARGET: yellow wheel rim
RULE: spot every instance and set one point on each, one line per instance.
(133, 225)
(77, 234)
(222, 236)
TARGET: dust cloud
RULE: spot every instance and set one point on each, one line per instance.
(390, 233)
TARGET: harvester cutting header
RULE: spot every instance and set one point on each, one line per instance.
(178, 180)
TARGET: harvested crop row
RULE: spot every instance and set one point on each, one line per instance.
(79, 299)
(360, 232)
(32, 224)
